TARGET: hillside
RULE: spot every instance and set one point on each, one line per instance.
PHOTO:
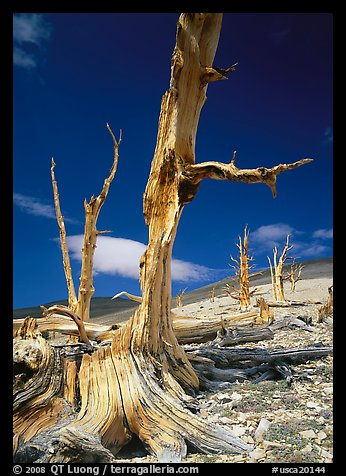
(107, 311)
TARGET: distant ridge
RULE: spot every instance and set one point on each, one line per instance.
(108, 311)
(100, 306)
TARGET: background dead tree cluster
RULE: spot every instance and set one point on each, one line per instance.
(85, 406)
(239, 287)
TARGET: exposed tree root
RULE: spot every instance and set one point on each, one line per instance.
(121, 393)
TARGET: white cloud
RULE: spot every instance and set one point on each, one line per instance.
(121, 256)
(28, 28)
(268, 236)
(23, 59)
(33, 206)
(308, 250)
(323, 233)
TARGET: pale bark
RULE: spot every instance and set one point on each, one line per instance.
(294, 275)
(242, 293)
(72, 298)
(92, 210)
(277, 273)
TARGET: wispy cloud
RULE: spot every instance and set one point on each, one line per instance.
(328, 135)
(266, 237)
(323, 233)
(121, 256)
(34, 206)
(28, 29)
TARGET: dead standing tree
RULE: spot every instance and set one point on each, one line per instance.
(294, 274)
(242, 293)
(276, 271)
(80, 308)
(139, 384)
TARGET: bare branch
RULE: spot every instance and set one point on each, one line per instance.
(60, 309)
(221, 171)
(72, 299)
(130, 296)
(92, 210)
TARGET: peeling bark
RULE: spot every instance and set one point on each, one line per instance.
(242, 268)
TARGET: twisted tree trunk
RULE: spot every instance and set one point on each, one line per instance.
(140, 384)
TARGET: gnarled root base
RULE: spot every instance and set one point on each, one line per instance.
(121, 392)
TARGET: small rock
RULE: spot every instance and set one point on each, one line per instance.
(328, 390)
(238, 430)
(224, 397)
(226, 420)
(321, 435)
(248, 439)
(306, 449)
(257, 454)
(271, 444)
(236, 397)
(262, 428)
(203, 412)
(312, 405)
(322, 452)
(238, 458)
(241, 416)
(308, 434)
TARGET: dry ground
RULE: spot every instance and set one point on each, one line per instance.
(297, 418)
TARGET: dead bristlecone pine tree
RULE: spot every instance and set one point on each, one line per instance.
(239, 287)
(276, 272)
(294, 274)
(85, 408)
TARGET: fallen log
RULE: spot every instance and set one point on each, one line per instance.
(236, 336)
(219, 367)
(187, 329)
(224, 357)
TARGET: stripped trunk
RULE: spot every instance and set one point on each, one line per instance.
(242, 268)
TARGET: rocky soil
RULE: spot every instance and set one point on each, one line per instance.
(286, 423)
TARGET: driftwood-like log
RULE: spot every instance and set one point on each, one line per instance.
(226, 356)
(231, 337)
(186, 328)
(218, 367)
(191, 329)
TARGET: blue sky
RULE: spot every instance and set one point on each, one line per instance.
(73, 72)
